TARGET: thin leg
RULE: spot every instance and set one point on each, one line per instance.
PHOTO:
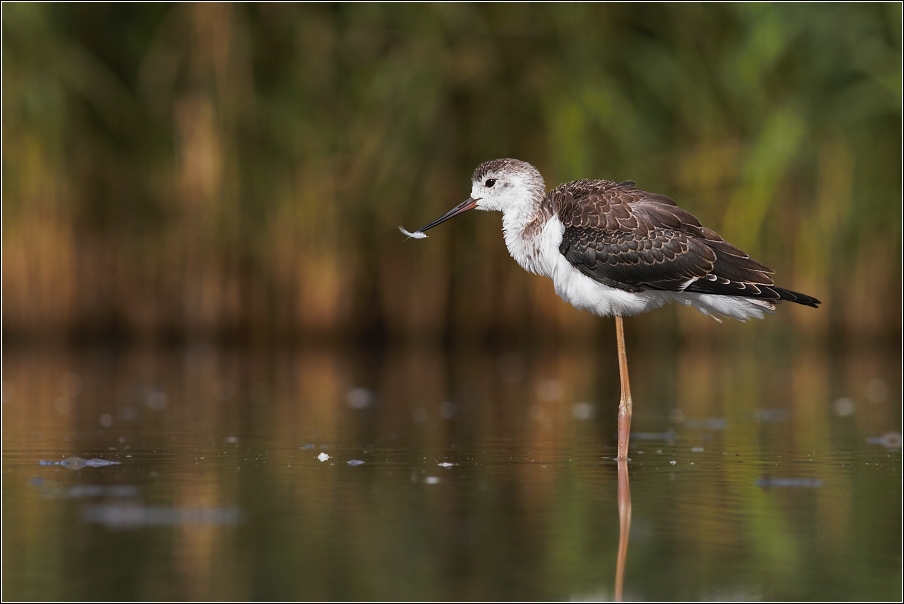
(624, 527)
(624, 404)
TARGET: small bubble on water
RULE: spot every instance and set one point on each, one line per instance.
(323, 457)
(844, 407)
(156, 401)
(771, 416)
(673, 462)
(582, 411)
(431, 480)
(447, 410)
(550, 391)
(355, 462)
(106, 420)
(359, 398)
(62, 405)
(127, 414)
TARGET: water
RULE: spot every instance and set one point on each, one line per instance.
(425, 474)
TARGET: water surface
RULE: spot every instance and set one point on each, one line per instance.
(754, 475)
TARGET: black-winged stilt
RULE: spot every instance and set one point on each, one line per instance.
(613, 249)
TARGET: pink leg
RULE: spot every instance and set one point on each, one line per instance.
(624, 404)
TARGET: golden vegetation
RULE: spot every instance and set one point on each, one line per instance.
(204, 171)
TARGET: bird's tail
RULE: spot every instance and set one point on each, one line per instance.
(797, 297)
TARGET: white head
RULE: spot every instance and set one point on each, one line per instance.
(504, 185)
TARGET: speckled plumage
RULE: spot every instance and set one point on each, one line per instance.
(634, 240)
(637, 250)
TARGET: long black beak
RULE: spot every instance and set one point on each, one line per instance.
(461, 208)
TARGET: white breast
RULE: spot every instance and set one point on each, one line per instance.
(540, 255)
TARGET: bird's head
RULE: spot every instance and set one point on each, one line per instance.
(502, 185)
(505, 185)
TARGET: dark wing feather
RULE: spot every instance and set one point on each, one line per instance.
(633, 240)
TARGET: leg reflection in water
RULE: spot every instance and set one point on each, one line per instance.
(624, 526)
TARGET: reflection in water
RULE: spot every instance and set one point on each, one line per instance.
(624, 526)
(708, 423)
(49, 488)
(776, 416)
(134, 515)
(771, 482)
(668, 436)
(77, 463)
(485, 476)
(891, 440)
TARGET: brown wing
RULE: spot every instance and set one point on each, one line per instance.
(633, 240)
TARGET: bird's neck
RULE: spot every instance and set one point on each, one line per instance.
(522, 228)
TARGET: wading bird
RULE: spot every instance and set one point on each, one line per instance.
(615, 250)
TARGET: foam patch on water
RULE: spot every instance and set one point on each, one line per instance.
(77, 463)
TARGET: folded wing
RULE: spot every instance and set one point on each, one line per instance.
(636, 241)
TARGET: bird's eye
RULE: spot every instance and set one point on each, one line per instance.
(490, 182)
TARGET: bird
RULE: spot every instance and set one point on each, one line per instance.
(613, 249)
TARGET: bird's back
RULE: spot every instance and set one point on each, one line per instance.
(637, 241)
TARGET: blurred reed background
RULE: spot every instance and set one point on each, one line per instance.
(225, 172)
